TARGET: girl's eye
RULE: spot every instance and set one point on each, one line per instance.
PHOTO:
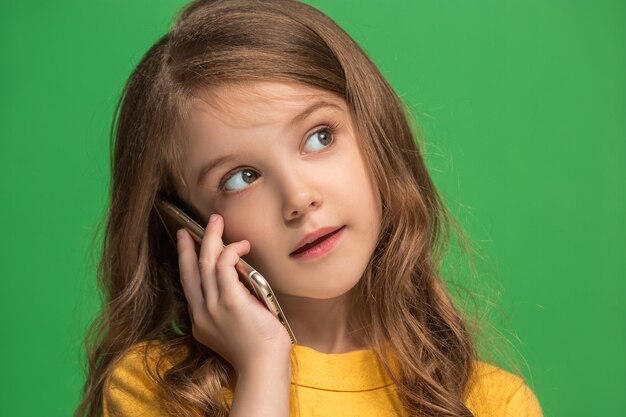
(235, 182)
(325, 136)
(239, 180)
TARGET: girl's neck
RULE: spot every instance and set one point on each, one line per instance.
(322, 325)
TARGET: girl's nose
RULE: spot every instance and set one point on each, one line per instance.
(300, 196)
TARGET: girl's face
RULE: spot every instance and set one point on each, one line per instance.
(283, 175)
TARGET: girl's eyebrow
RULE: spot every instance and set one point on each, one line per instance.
(214, 163)
(312, 108)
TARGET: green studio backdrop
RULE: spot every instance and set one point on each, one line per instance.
(522, 105)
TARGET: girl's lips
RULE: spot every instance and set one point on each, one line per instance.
(312, 237)
(321, 248)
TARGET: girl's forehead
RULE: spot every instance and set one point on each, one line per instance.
(257, 103)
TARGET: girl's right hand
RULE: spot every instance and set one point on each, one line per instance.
(225, 316)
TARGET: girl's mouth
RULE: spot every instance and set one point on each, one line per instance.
(319, 247)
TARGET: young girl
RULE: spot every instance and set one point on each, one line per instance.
(274, 129)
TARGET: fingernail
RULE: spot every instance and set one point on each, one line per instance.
(213, 218)
(179, 234)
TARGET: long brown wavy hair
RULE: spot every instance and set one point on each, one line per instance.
(410, 313)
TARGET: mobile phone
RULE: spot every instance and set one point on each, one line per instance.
(174, 218)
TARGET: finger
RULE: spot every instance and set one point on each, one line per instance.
(228, 284)
(210, 249)
(189, 274)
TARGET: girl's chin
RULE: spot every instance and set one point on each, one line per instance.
(318, 293)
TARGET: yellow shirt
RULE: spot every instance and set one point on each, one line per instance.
(332, 385)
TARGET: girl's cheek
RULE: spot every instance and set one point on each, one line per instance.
(244, 215)
(237, 227)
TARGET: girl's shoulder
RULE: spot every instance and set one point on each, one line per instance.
(494, 391)
(146, 357)
(130, 388)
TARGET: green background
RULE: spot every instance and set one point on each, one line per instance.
(523, 104)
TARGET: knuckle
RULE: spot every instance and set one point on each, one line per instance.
(212, 309)
(204, 258)
(229, 303)
(223, 262)
(204, 263)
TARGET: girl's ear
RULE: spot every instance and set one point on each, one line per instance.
(165, 217)
(182, 204)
